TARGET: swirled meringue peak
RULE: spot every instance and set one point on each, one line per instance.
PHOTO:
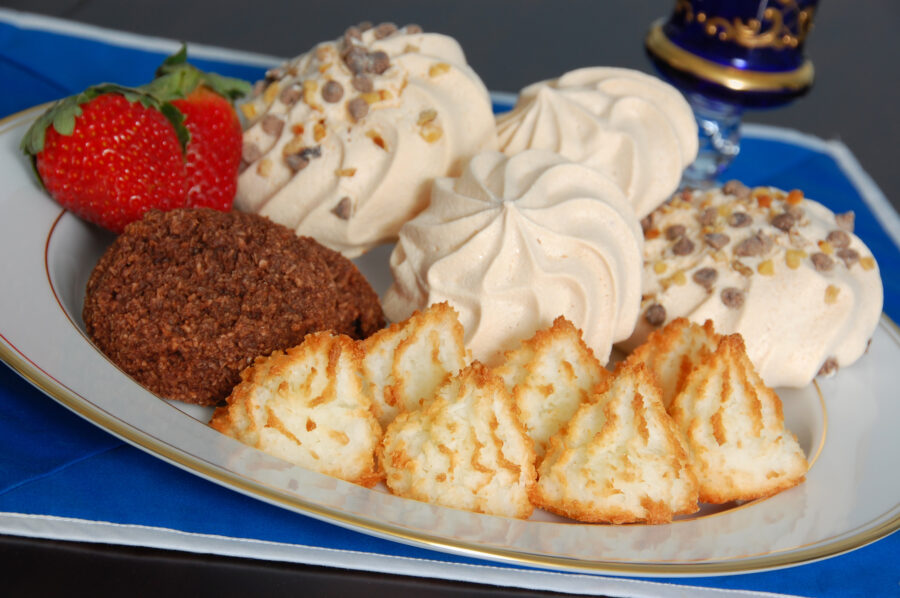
(634, 128)
(517, 241)
(342, 142)
(780, 269)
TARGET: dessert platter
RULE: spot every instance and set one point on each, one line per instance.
(742, 289)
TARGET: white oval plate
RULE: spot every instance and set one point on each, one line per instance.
(850, 497)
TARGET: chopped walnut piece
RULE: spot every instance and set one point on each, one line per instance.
(264, 168)
(826, 247)
(319, 131)
(270, 93)
(708, 217)
(705, 277)
(794, 257)
(346, 172)
(343, 209)
(831, 294)
(272, 125)
(839, 239)
(655, 315)
(849, 256)
(431, 132)
(822, 262)
(739, 220)
(829, 367)
(249, 111)
(783, 222)
(332, 92)
(766, 268)
(716, 240)
(764, 200)
(741, 268)
(377, 139)
(867, 262)
(846, 221)
(660, 267)
(794, 197)
(250, 152)
(732, 298)
(412, 28)
(683, 246)
(426, 116)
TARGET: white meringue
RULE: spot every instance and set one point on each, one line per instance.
(362, 176)
(517, 241)
(807, 294)
(635, 128)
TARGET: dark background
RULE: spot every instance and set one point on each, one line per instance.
(510, 43)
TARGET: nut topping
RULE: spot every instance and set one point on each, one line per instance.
(708, 216)
(736, 188)
(822, 262)
(358, 108)
(675, 231)
(385, 30)
(683, 246)
(732, 298)
(849, 256)
(838, 238)
(753, 246)
(705, 277)
(739, 220)
(783, 222)
(250, 152)
(290, 95)
(272, 125)
(343, 208)
(716, 240)
(829, 367)
(655, 315)
(846, 221)
(332, 91)
(362, 83)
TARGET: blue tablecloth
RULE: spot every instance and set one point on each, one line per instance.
(55, 465)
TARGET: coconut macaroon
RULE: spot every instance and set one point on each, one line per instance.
(734, 429)
(673, 352)
(620, 458)
(465, 449)
(405, 363)
(549, 376)
(307, 406)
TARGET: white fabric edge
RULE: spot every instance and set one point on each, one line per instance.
(871, 193)
(100, 532)
(27, 20)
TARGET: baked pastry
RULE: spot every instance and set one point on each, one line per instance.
(343, 141)
(515, 242)
(782, 270)
(620, 459)
(636, 129)
(671, 353)
(549, 376)
(406, 363)
(464, 449)
(734, 429)
(307, 405)
(184, 300)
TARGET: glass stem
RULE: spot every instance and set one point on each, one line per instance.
(719, 125)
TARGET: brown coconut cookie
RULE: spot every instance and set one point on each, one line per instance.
(184, 300)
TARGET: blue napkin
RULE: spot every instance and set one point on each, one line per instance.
(52, 463)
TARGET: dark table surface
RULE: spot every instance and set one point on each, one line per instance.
(510, 43)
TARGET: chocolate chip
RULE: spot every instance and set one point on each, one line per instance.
(380, 62)
(683, 246)
(352, 32)
(296, 162)
(732, 297)
(272, 125)
(290, 95)
(410, 29)
(846, 221)
(838, 238)
(751, 246)
(705, 277)
(739, 220)
(343, 208)
(362, 83)
(829, 367)
(736, 188)
(655, 315)
(332, 91)
(822, 262)
(783, 222)
(385, 30)
(675, 231)
(365, 26)
(358, 108)
(716, 240)
(708, 216)
(250, 152)
(849, 256)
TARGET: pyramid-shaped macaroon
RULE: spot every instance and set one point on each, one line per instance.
(464, 449)
(307, 406)
(734, 430)
(406, 362)
(620, 459)
(672, 352)
(549, 376)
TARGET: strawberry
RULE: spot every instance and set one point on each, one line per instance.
(109, 154)
(214, 149)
